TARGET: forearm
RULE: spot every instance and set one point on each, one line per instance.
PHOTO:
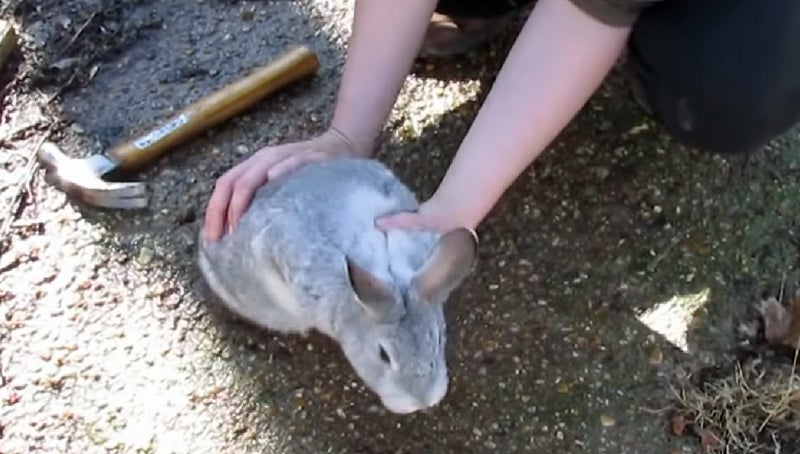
(385, 40)
(559, 59)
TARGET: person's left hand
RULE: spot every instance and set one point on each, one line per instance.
(429, 216)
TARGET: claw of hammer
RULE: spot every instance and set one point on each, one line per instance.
(81, 179)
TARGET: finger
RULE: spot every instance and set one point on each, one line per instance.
(292, 163)
(216, 211)
(245, 186)
(401, 221)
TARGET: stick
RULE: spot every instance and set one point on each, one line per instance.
(675, 241)
(79, 31)
(12, 208)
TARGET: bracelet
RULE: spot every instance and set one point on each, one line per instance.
(344, 137)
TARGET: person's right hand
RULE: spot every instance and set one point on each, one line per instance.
(234, 190)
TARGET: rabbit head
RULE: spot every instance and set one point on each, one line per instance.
(395, 339)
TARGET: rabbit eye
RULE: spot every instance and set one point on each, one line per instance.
(384, 355)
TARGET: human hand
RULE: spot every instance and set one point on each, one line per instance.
(429, 216)
(234, 190)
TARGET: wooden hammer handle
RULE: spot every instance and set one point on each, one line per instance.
(215, 108)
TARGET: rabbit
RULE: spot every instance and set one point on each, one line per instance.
(306, 255)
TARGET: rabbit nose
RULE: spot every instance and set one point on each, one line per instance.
(436, 394)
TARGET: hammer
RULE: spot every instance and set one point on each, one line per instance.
(82, 178)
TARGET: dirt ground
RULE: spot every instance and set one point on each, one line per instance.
(616, 263)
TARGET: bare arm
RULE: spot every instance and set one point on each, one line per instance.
(386, 39)
(559, 59)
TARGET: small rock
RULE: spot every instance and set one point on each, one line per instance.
(248, 13)
(64, 21)
(601, 172)
(639, 129)
(607, 420)
(12, 398)
(145, 256)
(65, 63)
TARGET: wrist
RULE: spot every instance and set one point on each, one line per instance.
(453, 211)
(345, 139)
(359, 143)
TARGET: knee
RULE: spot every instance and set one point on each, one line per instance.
(713, 86)
(709, 117)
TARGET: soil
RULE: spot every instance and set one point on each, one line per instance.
(619, 260)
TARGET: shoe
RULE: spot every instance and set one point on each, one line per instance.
(449, 36)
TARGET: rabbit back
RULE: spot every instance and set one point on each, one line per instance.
(282, 267)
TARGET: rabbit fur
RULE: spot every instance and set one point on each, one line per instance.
(306, 255)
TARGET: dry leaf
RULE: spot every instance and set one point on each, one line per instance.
(781, 324)
(709, 439)
(794, 401)
(678, 424)
(655, 356)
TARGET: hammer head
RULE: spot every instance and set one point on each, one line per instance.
(82, 179)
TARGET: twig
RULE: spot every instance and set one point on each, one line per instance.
(79, 31)
(3, 379)
(787, 396)
(652, 266)
(23, 185)
(11, 135)
(657, 411)
(61, 89)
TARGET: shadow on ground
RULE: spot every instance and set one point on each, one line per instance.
(562, 341)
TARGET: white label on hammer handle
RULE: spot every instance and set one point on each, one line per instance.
(158, 134)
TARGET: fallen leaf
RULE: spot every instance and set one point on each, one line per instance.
(678, 424)
(708, 439)
(794, 401)
(699, 244)
(655, 356)
(781, 324)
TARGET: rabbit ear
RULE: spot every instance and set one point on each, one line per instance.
(371, 292)
(448, 264)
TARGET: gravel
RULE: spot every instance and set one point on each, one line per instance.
(110, 342)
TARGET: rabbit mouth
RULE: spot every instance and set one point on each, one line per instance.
(406, 404)
(402, 405)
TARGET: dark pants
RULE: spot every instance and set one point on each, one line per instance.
(721, 76)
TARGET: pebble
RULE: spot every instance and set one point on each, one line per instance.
(530, 334)
(607, 420)
(145, 256)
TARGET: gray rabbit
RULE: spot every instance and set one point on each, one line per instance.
(307, 255)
